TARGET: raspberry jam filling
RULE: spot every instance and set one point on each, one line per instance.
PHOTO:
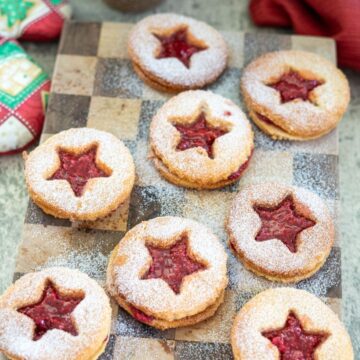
(178, 46)
(172, 264)
(293, 342)
(293, 86)
(78, 169)
(237, 174)
(282, 222)
(140, 316)
(199, 133)
(53, 311)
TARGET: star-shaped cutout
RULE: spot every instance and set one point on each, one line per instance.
(293, 342)
(282, 222)
(199, 133)
(53, 311)
(172, 264)
(293, 86)
(178, 45)
(78, 169)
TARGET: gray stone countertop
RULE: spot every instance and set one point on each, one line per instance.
(228, 15)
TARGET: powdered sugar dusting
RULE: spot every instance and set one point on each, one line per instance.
(132, 259)
(92, 263)
(205, 65)
(246, 285)
(230, 150)
(92, 317)
(301, 118)
(111, 153)
(209, 208)
(146, 171)
(270, 256)
(269, 310)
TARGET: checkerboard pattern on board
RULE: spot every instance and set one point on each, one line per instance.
(94, 85)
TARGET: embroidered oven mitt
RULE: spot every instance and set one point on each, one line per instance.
(23, 92)
(23, 84)
(34, 20)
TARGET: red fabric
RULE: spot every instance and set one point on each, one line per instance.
(44, 29)
(339, 19)
(31, 111)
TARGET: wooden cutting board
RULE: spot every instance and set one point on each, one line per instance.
(94, 85)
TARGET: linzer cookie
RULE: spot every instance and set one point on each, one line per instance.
(54, 314)
(80, 174)
(201, 140)
(295, 95)
(174, 53)
(284, 233)
(168, 272)
(289, 324)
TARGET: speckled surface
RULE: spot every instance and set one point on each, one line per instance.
(233, 15)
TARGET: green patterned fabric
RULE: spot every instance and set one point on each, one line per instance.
(15, 10)
(9, 49)
(56, 2)
(35, 78)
